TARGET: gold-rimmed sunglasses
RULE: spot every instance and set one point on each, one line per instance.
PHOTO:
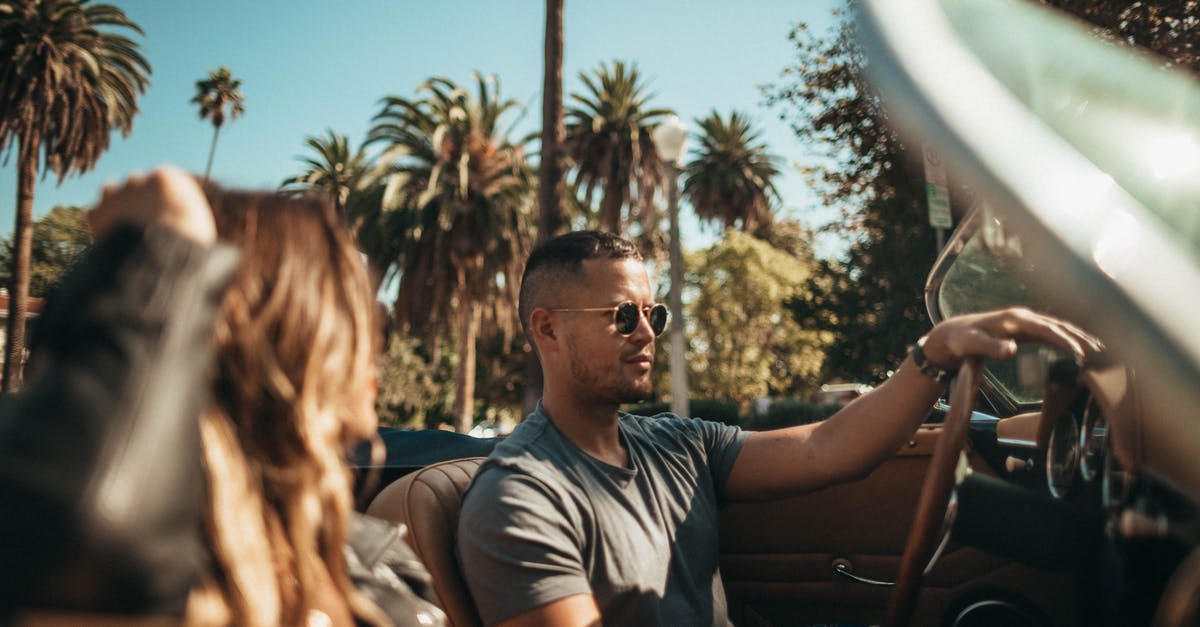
(628, 314)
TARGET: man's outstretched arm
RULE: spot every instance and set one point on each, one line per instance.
(869, 430)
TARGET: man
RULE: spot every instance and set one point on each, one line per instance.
(586, 514)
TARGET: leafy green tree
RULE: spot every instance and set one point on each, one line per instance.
(1169, 29)
(68, 78)
(464, 217)
(219, 92)
(608, 138)
(60, 239)
(744, 343)
(871, 300)
(730, 180)
(335, 170)
(411, 393)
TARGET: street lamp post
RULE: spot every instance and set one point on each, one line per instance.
(670, 137)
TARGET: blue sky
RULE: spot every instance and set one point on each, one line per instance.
(308, 65)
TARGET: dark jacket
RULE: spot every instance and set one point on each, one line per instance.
(100, 479)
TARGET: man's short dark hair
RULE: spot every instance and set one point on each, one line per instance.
(558, 262)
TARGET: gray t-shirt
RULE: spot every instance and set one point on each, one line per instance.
(542, 520)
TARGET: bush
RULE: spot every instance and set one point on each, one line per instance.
(790, 412)
(782, 413)
(706, 408)
(715, 410)
(650, 408)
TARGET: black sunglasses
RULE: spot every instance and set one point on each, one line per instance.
(628, 314)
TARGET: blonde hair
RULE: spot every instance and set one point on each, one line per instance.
(295, 342)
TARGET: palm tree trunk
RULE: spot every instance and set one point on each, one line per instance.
(550, 170)
(464, 399)
(18, 290)
(212, 151)
(610, 205)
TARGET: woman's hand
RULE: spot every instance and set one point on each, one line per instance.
(167, 196)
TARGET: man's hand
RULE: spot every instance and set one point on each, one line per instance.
(166, 196)
(995, 334)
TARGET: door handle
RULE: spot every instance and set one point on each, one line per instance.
(843, 568)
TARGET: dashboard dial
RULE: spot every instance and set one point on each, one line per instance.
(1093, 441)
(1062, 458)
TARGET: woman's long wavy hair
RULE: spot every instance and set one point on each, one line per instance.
(295, 344)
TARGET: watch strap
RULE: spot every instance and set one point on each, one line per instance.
(928, 368)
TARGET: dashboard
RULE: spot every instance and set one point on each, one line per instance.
(1080, 464)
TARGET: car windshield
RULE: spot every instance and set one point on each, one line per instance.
(1137, 122)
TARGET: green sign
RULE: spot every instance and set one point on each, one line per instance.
(937, 194)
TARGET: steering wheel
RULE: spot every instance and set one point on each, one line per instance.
(935, 495)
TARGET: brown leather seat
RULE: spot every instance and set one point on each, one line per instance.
(428, 501)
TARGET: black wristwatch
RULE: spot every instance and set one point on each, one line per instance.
(928, 368)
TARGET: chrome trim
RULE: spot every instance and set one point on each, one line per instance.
(962, 470)
(967, 612)
(1066, 420)
(1016, 442)
(843, 568)
(1092, 434)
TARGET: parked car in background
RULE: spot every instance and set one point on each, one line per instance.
(838, 393)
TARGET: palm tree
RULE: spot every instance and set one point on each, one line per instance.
(730, 180)
(335, 170)
(608, 137)
(466, 212)
(66, 81)
(215, 94)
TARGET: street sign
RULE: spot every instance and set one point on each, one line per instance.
(937, 194)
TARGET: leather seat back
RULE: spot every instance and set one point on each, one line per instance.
(427, 502)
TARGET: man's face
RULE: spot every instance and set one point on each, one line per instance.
(603, 364)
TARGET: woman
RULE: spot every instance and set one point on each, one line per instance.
(296, 341)
(99, 450)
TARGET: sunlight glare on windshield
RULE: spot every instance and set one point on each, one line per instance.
(1119, 237)
(1173, 155)
(1079, 202)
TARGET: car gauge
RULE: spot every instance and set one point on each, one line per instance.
(1062, 457)
(1092, 441)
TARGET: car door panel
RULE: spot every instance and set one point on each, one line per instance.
(778, 556)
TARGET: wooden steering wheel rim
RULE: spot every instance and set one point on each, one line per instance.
(924, 533)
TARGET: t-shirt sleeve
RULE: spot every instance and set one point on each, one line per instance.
(721, 444)
(726, 444)
(519, 545)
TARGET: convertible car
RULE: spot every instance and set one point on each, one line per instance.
(1050, 490)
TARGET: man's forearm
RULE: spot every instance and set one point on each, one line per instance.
(845, 446)
(874, 426)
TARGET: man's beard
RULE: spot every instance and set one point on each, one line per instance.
(615, 390)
